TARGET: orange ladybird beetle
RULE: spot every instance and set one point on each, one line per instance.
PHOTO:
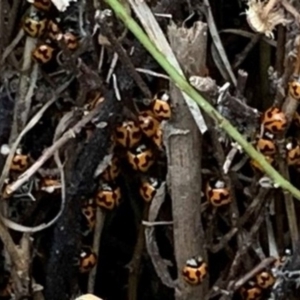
(217, 193)
(88, 209)
(108, 197)
(71, 40)
(160, 106)
(53, 30)
(34, 25)
(265, 280)
(112, 171)
(158, 137)
(266, 145)
(141, 159)
(88, 259)
(195, 270)
(255, 164)
(250, 291)
(44, 5)
(43, 53)
(293, 153)
(148, 188)
(93, 99)
(148, 124)
(294, 89)
(296, 119)
(50, 185)
(19, 163)
(128, 134)
(274, 120)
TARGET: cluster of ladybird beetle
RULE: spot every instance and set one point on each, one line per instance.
(137, 137)
(41, 25)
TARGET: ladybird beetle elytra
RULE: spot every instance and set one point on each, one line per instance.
(265, 280)
(88, 209)
(44, 5)
(88, 259)
(293, 153)
(108, 197)
(256, 165)
(217, 193)
(34, 25)
(112, 171)
(148, 188)
(141, 159)
(93, 99)
(128, 134)
(266, 145)
(274, 120)
(19, 163)
(71, 40)
(294, 90)
(53, 30)
(148, 124)
(296, 119)
(194, 271)
(158, 137)
(43, 53)
(160, 106)
(251, 291)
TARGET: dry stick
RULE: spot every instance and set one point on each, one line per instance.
(183, 143)
(29, 126)
(125, 59)
(217, 41)
(100, 218)
(71, 133)
(191, 92)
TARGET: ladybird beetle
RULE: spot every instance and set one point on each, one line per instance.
(148, 124)
(112, 171)
(19, 163)
(266, 145)
(71, 40)
(294, 90)
(255, 164)
(296, 119)
(194, 271)
(88, 209)
(108, 197)
(265, 280)
(50, 185)
(88, 259)
(148, 188)
(34, 25)
(158, 137)
(93, 99)
(161, 106)
(217, 193)
(293, 153)
(43, 53)
(128, 134)
(274, 120)
(53, 30)
(44, 5)
(141, 159)
(251, 291)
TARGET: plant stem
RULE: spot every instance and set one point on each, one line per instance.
(182, 84)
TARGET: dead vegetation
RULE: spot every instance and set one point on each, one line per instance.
(115, 184)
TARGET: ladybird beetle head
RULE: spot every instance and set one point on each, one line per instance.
(44, 5)
(163, 95)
